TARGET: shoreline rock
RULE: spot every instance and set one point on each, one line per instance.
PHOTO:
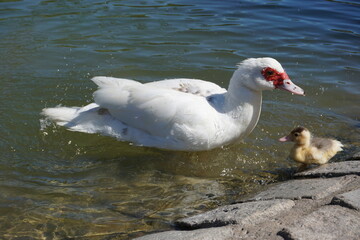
(320, 203)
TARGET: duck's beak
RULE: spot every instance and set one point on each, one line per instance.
(285, 139)
(288, 85)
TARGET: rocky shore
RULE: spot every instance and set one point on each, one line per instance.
(320, 203)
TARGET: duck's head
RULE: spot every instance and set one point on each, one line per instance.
(299, 135)
(261, 74)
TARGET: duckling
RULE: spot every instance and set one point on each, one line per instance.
(311, 150)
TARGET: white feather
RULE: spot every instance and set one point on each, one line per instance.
(178, 114)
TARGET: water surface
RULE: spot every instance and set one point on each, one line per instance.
(57, 184)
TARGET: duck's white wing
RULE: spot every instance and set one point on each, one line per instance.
(192, 86)
(153, 114)
(154, 110)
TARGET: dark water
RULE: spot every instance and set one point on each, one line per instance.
(56, 184)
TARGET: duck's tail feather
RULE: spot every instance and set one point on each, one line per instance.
(82, 119)
(94, 119)
(61, 115)
(90, 119)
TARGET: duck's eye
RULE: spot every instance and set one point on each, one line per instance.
(269, 72)
(297, 134)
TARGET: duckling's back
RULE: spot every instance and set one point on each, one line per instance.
(323, 149)
(320, 151)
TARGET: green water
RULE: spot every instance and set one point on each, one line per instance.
(56, 184)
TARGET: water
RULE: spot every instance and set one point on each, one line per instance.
(57, 184)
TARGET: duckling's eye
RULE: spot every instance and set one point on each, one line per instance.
(297, 134)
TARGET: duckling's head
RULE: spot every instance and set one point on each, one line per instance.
(299, 135)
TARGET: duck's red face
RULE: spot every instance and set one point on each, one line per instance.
(281, 80)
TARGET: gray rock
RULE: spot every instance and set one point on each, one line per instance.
(200, 234)
(328, 222)
(332, 170)
(304, 188)
(241, 213)
(356, 156)
(262, 216)
(350, 199)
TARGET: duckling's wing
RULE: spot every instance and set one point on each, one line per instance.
(326, 148)
(322, 144)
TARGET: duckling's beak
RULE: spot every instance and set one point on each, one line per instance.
(288, 85)
(285, 139)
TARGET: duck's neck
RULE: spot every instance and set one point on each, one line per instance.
(244, 106)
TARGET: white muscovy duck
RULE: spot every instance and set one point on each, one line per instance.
(178, 114)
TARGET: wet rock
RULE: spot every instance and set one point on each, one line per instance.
(328, 222)
(295, 209)
(332, 170)
(304, 188)
(200, 234)
(349, 199)
(356, 156)
(241, 213)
